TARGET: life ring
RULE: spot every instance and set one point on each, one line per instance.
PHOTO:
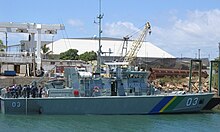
(38, 72)
(96, 89)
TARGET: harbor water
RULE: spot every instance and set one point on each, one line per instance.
(202, 122)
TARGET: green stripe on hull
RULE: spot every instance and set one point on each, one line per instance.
(173, 105)
(170, 102)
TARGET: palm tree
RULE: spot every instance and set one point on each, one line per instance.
(2, 46)
(46, 51)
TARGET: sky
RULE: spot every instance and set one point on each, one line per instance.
(180, 27)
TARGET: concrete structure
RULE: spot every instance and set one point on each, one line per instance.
(24, 68)
(15, 61)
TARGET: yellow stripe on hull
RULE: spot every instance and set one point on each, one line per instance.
(168, 104)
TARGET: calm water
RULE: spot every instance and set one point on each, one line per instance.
(204, 122)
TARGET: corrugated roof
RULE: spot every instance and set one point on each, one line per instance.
(108, 44)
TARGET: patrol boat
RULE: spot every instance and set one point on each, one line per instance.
(121, 91)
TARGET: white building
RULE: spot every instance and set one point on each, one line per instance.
(108, 45)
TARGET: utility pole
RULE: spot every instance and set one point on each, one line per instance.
(219, 50)
(52, 47)
(6, 41)
(198, 53)
(6, 44)
(219, 69)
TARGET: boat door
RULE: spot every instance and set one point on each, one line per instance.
(113, 88)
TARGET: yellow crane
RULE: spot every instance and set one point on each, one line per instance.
(136, 45)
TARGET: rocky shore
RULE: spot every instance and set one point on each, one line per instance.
(168, 84)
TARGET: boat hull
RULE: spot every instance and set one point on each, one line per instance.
(112, 105)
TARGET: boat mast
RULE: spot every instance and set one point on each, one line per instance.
(98, 70)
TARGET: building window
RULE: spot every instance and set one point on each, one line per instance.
(52, 63)
(61, 63)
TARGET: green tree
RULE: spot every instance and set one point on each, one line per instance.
(71, 54)
(88, 56)
(2, 46)
(46, 51)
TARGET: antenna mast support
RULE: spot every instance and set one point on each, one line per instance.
(100, 37)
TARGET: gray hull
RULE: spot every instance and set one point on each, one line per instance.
(118, 105)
